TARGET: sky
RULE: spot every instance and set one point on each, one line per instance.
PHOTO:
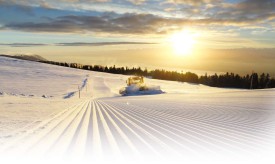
(208, 35)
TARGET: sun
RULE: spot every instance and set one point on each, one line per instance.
(183, 42)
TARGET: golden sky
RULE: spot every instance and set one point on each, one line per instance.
(212, 35)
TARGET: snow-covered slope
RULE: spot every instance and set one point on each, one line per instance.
(37, 79)
(187, 121)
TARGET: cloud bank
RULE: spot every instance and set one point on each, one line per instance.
(75, 44)
(213, 12)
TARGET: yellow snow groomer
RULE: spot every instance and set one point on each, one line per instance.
(135, 80)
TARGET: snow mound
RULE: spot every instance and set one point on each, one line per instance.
(2, 93)
(140, 90)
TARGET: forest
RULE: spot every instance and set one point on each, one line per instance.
(226, 80)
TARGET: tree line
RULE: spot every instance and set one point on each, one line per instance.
(227, 80)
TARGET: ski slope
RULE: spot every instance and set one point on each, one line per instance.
(188, 121)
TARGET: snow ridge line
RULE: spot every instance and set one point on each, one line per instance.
(61, 134)
(122, 119)
(246, 123)
(173, 120)
(62, 143)
(110, 137)
(78, 144)
(145, 117)
(234, 128)
(104, 125)
(40, 127)
(155, 138)
(97, 150)
(48, 138)
(119, 130)
(208, 120)
(167, 130)
(26, 128)
(202, 110)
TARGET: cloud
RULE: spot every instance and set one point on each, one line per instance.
(248, 9)
(192, 2)
(217, 13)
(100, 43)
(29, 2)
(129, 23)
(45, 4)
(22, 44)
(75, 44)
(137, 2)
(256, 5)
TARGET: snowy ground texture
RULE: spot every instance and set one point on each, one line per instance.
(41, 115)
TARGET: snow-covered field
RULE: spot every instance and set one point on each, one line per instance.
(41, 115)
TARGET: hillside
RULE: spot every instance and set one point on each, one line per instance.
(42, 115)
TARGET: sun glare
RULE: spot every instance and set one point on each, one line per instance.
(183, 42)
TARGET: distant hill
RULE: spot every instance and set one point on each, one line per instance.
(26, 57)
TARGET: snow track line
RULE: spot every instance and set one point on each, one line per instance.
(97, 149)
(129, 128)
(36, 138)
(189, 149)
(173, 102)
(224, 132)
(231, 127)
(25, 128)
(153, 129)
(215, 110)
(206, 108)
(143, 131)
(171, 126)
(61, 145)
(142, 117)
(210, 136)
(46, 140)
(180, 118)
(122, 134)
(171, 116)
(195, 119)
(109, 125)
(78, 144)
(110, 137)
(39, 128)
(233, 118)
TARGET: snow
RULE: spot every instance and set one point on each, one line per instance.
(31, 78)
(134, 90)
(186, 122)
